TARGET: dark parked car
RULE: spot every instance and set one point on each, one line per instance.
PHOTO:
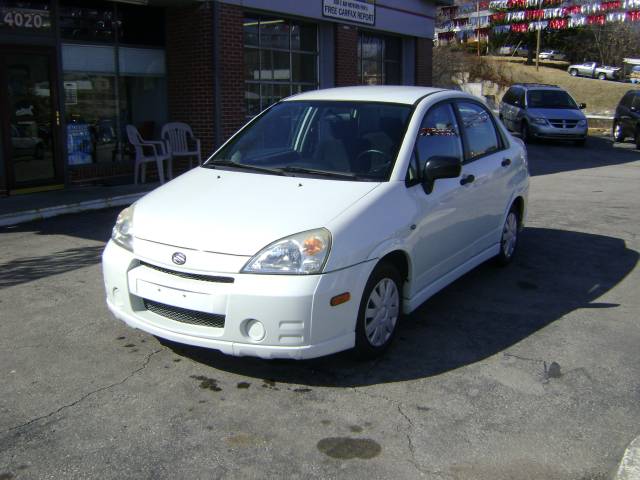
(626, 122)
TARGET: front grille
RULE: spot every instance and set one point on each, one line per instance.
(183, 315)
(563, 123)
(192, 276)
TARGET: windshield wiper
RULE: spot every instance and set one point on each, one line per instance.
(314, 171)
(223, 162)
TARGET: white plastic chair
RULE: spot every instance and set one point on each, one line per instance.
(181, 141)
(159, 154)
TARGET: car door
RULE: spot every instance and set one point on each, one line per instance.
(624, 114)
(634, 115)
(439, 243)
(487, 171)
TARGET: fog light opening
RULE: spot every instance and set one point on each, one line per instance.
(254, 329)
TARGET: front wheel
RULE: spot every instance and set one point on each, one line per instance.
(380, 311)
(602, 76)
(509, 239)
(617, 134)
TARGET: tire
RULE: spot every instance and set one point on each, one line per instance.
(617, 133)
(382, 304)
(573, 72)
(525, 133)
(602, 76)
(509, 238)
(637, 138)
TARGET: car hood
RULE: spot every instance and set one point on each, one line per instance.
(240, 213)
(559, 113)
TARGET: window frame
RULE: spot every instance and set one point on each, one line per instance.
(384, 59)
(414, 151)
(259, 48)
(502, 142)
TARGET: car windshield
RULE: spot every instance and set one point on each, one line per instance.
(550, 99)
(343, 140)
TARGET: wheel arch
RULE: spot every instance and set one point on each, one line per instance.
(519, 205)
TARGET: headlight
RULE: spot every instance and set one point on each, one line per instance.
(122, 232)
(300, 254)
(540, 121)
(582, 123)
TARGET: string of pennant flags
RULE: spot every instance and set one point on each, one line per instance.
(520, 16)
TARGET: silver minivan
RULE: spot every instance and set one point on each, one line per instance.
(539, 111)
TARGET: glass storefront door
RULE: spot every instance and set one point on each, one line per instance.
(30, 120)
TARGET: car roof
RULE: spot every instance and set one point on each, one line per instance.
(537, 86)
(370, 93)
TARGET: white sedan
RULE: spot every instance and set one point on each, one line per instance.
(320, 223)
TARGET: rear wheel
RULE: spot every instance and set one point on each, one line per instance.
(617, 134)
(380, 311)
(573, 72)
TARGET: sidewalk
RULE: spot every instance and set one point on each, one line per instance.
(36, 206)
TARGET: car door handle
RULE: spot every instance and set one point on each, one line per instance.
(467, 179)
(506, 162)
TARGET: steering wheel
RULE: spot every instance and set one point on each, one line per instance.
(373, 151)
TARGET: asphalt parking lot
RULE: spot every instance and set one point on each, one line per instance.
(528, 372)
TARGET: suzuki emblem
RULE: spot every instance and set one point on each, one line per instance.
(179, 258)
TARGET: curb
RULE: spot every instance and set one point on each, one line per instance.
(629, 468)
(15, 218)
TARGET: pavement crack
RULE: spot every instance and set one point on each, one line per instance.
(85, 396)
(523, 358)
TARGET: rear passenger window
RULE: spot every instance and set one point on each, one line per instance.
(519, 98)
(478, 129)
(508, 97)
(439, 135)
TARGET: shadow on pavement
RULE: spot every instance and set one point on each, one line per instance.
(483, 313)
(22, 269)
(554, 157)
(94, 225)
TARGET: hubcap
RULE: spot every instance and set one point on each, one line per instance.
(381, 314)
(617, 131)
(510, 235)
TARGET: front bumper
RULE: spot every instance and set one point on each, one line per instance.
(297, 320)
(552, 133)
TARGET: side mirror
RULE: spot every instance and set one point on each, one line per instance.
(582, 106)
(439, 167)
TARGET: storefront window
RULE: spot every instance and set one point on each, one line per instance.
(98, 21)
(25, 15)
(87, 21)
(90, 104)
(101, 100)
(280, 59)
(379, 60)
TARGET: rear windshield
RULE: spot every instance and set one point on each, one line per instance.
(550, 99)
(353, 138)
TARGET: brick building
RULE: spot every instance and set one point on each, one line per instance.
(74, 73)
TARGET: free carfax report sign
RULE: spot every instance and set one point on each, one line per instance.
(360, 11)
